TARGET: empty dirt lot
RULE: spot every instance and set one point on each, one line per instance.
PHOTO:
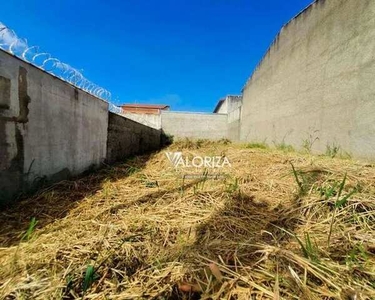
(139, 230)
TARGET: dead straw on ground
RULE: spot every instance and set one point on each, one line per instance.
(139, 230)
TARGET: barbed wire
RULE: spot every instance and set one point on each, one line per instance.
(10, 42)
(115, 109)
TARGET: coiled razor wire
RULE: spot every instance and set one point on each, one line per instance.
(10, 42)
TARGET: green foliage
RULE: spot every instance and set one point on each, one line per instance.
(132, 170)
(89, 278)
(257, 145)
(147, 182)
(188, 143)
(151, 184)
(284, 147)
(69, 282)
(233, 187)
(335, 188)
(339, 203)
(298, 181)
(200, 184)
(204, 178)
(224, 141)
(332, 150)
(30, 230)
(344, 200)
(357, 256)
(345, 155)
(182, 187)
(308, 249)
(328, 191)
(309, 142)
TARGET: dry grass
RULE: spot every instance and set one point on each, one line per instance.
(139, 231)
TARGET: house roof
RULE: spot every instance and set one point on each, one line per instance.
(151, 106)
(218, 105)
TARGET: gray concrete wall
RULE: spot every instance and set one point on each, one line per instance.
(317, 80)
(194, 125)
(234, 124)
(234, 131)
(223, 108)
(151, 120)
(127, 137)
(49, 130)
(234, 102)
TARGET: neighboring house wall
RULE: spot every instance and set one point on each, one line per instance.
(229, 104)
(194, 125)
(223, 108)
(48, 128)
(234, 116)
(234, 102)
(127, 137)
(234, 124)
(152, 120)
(317, 80)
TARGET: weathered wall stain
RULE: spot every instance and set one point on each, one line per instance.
(3, 146)
(5, 85)
(12, 178)
(76, 94)
(4, 93)
(23, 97)
(49, 130)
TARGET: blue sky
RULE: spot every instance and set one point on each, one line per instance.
(185, 53)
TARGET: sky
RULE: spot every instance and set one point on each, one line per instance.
(184, 53)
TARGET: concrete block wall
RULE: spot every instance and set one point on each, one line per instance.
(317, 81)
(194, 125)
(48, 128)
(234, 124)
(234, 102)
(151, 120)
(127, 137)
(51, 130)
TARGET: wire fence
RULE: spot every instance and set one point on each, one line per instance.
(10, 42)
